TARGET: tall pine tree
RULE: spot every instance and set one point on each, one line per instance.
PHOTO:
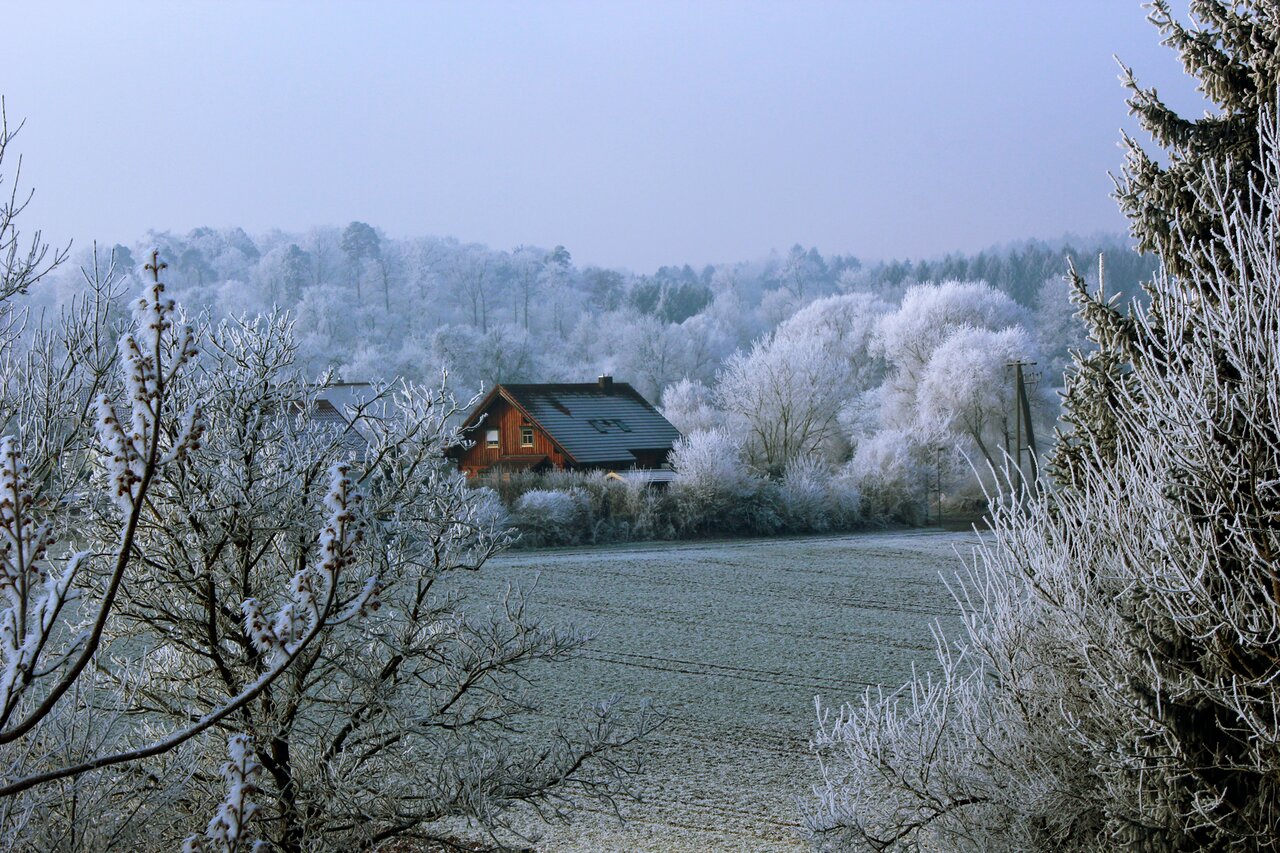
(1232, 51)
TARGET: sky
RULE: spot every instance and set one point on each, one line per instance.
(633, 133)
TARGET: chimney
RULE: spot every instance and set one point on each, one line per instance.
(606, 383)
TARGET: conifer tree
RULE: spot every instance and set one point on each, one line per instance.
(1232, 50)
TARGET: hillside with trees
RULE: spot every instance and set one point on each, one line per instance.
(891, 375)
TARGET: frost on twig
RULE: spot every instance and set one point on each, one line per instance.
(35, 595)
(314, 588)
(132, 444)
(226, 832)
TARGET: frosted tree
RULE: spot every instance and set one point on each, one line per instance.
(23, 260)
(705, 345)
(928, 315)
(360, 243)
(410, 710)
(472, 276)
(1058, 326)
(647, 351)
(946, 391)
(1232, 50)
(285, 270)
(788, 389)
(1115, 687)
(690, 407)
(525, 270)
(781, 392)
(62, 612)
(966, 389)
(847, 326)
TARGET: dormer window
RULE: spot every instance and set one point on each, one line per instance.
(526, 436)
(491, 438)
(608, 425)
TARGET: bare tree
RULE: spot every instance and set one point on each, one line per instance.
(60, 612)
(471, 273)
(22, 262)
(400, 718)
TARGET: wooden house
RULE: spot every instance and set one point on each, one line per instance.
(602, 425)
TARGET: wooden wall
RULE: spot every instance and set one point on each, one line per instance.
(507, 419)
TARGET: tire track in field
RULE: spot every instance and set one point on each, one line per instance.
(698, 619)
(922, 595)
(732, 580)
(729, 642)
(714, 670)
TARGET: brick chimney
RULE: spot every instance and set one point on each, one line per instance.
(606, 383)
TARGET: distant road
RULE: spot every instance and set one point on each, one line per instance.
(732, 641)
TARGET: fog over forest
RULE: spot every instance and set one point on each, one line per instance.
(375, 308)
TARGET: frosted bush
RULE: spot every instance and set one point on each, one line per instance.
(804, 496)
(715, 489)
(845, 499)
(547, 517)
(489, 509)
(650, 512)
(889, 472)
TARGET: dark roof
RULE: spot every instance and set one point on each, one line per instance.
(326, 419)
(591, 423)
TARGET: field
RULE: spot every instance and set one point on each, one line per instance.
(732, 642)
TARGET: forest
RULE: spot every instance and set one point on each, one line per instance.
(875, 390)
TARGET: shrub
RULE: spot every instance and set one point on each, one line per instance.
(549, 517)
(716, 490)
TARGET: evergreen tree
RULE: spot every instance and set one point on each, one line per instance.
(1123, 628)
(1232, 51)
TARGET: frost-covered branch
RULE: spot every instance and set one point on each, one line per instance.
(227, 828)
(1116, 683)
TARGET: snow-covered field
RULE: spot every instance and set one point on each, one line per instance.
(732, 642)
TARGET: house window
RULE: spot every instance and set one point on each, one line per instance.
(526, 436)
(491, 438)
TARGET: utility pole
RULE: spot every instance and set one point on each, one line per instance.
(937, 470)
(1022, 415)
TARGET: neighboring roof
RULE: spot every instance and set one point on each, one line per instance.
(347, 395)
(331, 414)
(648, 476)
(591, 423)
(325, 418)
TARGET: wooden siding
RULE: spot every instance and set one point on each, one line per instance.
(507, 420)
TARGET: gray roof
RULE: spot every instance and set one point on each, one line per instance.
(594, 424)
(648, 477)
(326, 420)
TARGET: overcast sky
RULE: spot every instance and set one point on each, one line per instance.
(635, 134)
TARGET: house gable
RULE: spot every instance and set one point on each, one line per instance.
(521, 443)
